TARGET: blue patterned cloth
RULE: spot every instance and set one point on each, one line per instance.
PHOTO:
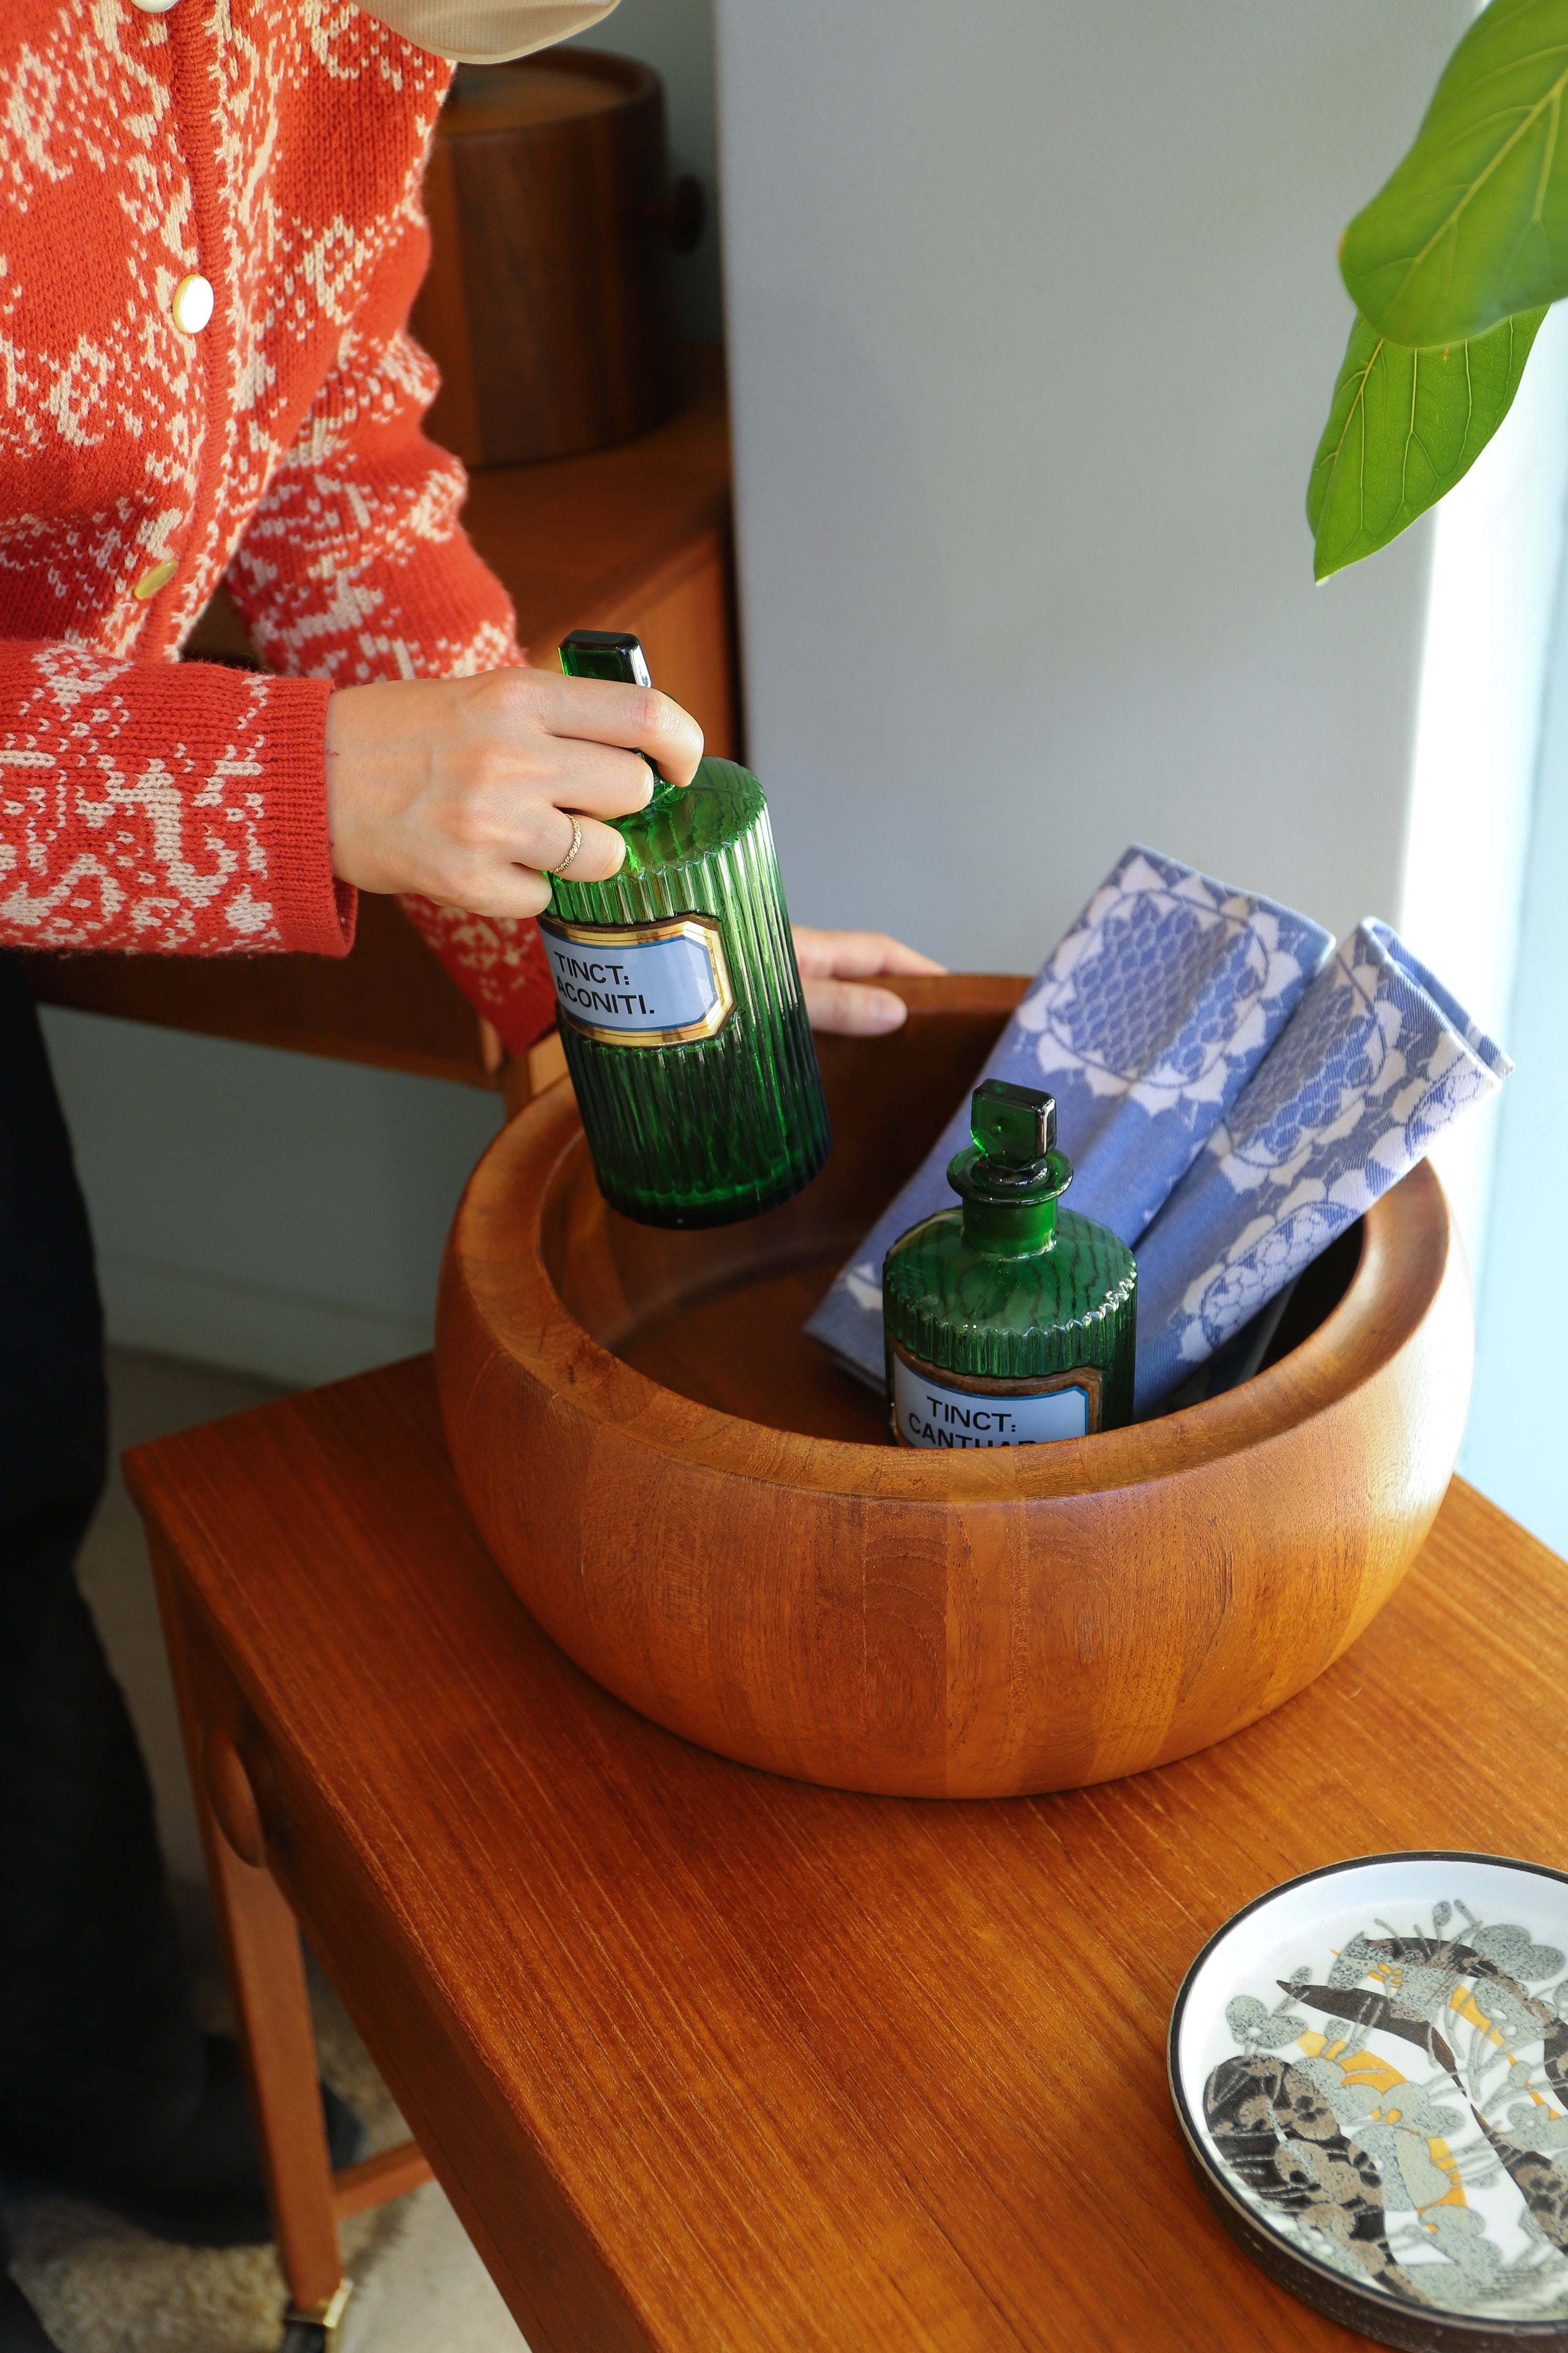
(1230, 1101)
(1145, 1025)
(1375, 1062)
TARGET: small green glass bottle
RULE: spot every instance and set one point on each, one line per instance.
(681, 1013)
(1009, 1321)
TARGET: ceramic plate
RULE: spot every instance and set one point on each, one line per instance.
(1370, 2066)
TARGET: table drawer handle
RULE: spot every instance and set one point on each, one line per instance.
(232, 1799)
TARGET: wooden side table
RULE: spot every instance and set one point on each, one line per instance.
(706, 2059)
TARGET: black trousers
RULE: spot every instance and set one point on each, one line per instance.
(101, 2061)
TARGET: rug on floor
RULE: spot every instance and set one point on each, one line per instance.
(101, 2286)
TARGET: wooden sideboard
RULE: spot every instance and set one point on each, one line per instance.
(637, 537)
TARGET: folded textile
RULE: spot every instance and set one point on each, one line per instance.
(1376, 1060)
(1145, 1024)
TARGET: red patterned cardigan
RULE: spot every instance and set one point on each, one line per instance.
(273, 147)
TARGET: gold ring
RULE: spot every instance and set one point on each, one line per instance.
(576, 846)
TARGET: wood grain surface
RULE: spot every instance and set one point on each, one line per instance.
(388, 1003)
(712, 2060)
(681, 1488)
(549, 306)
(637, 537)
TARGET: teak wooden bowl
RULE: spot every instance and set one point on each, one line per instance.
(702, 1508)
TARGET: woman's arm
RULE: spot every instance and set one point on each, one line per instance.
(356, 568)
(163, 808)
(450, 794)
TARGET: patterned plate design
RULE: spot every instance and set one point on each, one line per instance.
(1370, 2068)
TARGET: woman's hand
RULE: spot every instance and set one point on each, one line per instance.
(458, 788)
(832, 964)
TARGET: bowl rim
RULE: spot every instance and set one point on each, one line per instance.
(1407, 1257)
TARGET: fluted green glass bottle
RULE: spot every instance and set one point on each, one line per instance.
(681, 1014)
(1009, 1321)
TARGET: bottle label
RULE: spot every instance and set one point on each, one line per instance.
(659, 984)
(944, 1410)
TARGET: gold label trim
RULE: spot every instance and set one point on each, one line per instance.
(703, 929)
(1088, 1378)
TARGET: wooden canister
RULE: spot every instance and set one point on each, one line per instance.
(548, 306)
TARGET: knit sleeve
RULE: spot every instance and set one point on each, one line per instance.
(165, 807)
(355, 567)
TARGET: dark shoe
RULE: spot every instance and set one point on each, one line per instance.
(21, 2330)
(207, 2191)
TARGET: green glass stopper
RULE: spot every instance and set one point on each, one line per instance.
(606, 653)
(1014, 1124)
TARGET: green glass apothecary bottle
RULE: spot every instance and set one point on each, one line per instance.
(1009, 1321)
(681, 1013)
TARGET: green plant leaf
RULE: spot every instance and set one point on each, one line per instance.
(1473, 225)
(1402, 427)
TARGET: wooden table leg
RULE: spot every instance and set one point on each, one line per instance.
(260, 1943)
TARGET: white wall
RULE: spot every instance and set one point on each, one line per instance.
(675, 38)
(1513, 1446)
(1497, 552)
(1034, 317)
(275, 1213)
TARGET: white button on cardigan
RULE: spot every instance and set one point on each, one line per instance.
(192, 304)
